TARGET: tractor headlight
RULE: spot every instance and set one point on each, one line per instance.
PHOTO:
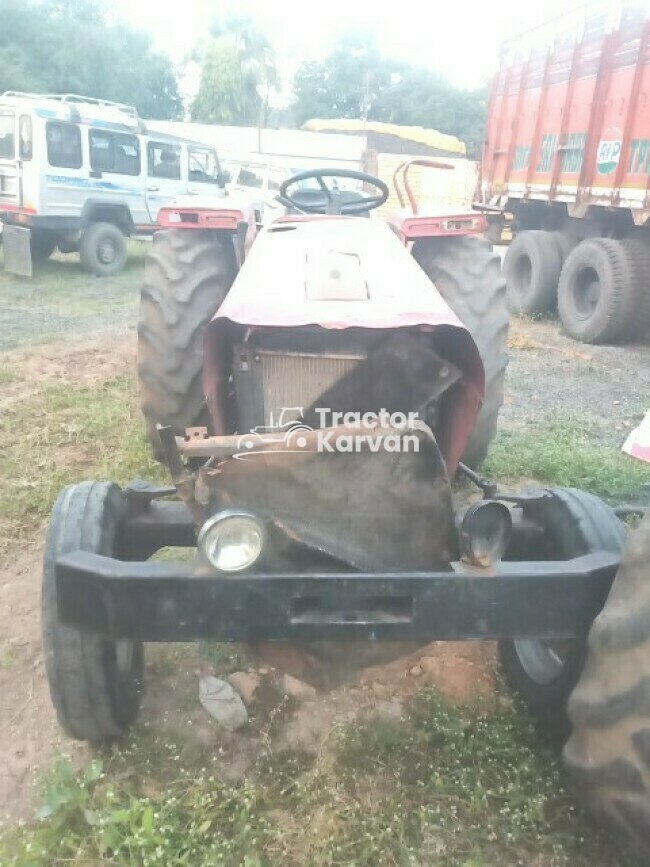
(485, 532)
(232, 541)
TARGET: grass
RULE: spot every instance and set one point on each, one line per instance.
(559, 450)
(62, 299)
(65, 433)
(444, 786)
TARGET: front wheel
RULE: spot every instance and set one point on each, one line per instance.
(103, 249)
(95, 684)
(544, 673)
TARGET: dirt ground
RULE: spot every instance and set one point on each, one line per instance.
(608, 386)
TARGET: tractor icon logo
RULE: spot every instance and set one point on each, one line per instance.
(289, 429)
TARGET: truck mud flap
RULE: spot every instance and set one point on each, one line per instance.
(16, 241)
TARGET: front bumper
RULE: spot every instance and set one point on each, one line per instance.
(169, 601)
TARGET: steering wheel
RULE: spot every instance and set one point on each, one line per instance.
(330, 200)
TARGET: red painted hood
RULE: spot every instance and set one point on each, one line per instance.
(336, 272)
(339, 273)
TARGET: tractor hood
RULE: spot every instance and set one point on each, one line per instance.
(336, 272)
(340, 273)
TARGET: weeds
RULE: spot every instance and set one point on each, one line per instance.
(445, 786)
(559, 451)
(64, 433)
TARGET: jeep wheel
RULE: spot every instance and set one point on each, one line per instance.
(607, 757)
(103, 249)
(95, 683)
(544, 673)
(187, 276)
(468, 276)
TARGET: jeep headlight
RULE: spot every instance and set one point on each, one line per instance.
(232, 540)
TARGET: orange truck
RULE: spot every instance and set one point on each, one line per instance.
(567, 154)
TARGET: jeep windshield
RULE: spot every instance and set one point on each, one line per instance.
(204, 166)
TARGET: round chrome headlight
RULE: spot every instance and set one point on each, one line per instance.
(485, 533)
(232, 541)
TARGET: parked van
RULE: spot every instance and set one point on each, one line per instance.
(83, 174)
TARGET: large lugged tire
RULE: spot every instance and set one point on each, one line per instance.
(103, 249)
(607, 757)
(597, 291)
(95, 684)
(532, 270)
(544, 673)
(468, 276)
(187, 276)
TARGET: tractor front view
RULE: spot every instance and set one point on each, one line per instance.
(313, 389)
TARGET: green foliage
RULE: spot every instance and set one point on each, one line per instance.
(237, 74)
(356, 80)
(70, 46)
(454, 787)
(559, 450)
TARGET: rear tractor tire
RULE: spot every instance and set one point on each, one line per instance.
(532, 269)
(544, 673)
(468, 276)
(188, 274)
(95, 683)
(607, 757)
(598, 291)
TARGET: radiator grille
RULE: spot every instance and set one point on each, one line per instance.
(268, 382)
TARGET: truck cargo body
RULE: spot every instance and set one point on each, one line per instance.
(572, 124)
(567, 154)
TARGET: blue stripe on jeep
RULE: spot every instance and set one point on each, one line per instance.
(90, 183)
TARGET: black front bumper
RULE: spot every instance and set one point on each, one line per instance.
(162, 601)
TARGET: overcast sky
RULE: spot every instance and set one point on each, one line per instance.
(457, 37)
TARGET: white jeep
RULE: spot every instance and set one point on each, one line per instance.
(83, 175)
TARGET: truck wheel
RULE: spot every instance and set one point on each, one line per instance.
(607, 757)
(544, 673)
(103, 249)
(532, 269)
(187, 276)
(42, 245)
(95, 683)
(565, 244)
(638, 318)
(597, 291)
(468, 276)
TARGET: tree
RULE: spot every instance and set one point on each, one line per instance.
(356, 81)
(347, 84)
(68, 46)
(237, 75)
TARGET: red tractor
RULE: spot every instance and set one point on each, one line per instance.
(313, 394)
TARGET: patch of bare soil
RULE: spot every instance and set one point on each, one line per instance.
(605, 386)
(29, 734)
(84, 363)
